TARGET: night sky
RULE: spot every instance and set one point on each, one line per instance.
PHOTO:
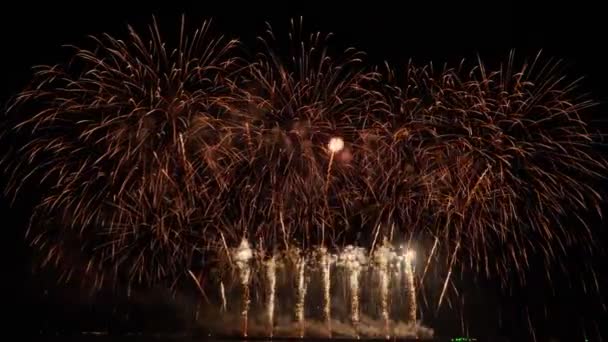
(34, 34)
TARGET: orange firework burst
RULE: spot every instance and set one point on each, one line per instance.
(128, 142)
(149, 156)
(290, 106)
(508, 155)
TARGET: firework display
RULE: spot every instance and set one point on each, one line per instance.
(149, 158)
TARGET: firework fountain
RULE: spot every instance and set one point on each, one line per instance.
(325, 262)
(242, 256)
(382, 257)
(411, 287)
(300, 305)
(271, 274)
(345, 283)
(354, 259)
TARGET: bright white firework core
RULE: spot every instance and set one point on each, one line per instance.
(335, 145)
(243, 253)
(410, 255)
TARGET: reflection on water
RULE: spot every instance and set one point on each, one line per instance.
(105, 337)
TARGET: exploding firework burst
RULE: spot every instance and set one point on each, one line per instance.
(151, 156)
(129, 140)
(301, 116)
(508, 154)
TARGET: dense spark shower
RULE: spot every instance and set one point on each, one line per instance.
(148, 158)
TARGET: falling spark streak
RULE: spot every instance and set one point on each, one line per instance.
(198, 284)
(283, 230)
(530, 326)
(447, 278)
(226, 247)
(428, 260)
(223, 294)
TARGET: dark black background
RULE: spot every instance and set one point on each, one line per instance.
(32, 34)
